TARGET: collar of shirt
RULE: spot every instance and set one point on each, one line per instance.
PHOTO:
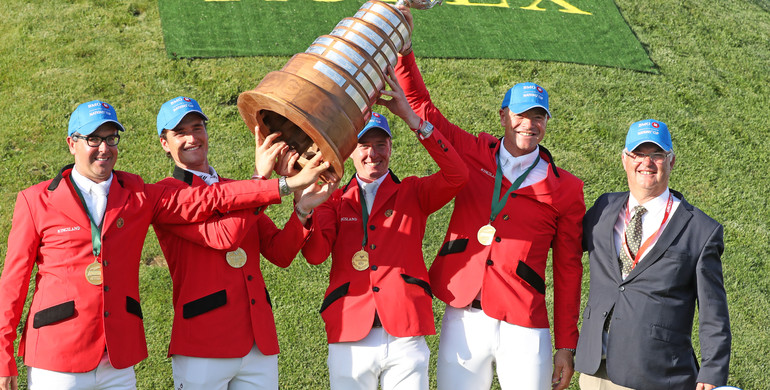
(85, 184)
(210, 178)
(375, 184)
(513, 167)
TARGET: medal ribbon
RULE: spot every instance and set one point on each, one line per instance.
(646, 244)
(497, 203)
(364, 215)
(96, 231)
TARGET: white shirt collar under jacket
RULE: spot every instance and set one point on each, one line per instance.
(513, 167)
(210, 178)
(91, 191)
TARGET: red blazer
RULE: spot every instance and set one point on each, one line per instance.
(396, 283)
(71, 321)
(510, 273)
(221, 311)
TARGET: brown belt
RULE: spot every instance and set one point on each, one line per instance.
(377, 323)
(476, 304)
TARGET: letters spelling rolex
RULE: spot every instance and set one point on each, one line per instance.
(322, 98)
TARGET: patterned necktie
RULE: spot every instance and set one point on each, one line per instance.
(633, 238)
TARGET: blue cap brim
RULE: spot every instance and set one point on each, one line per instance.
(175, 120)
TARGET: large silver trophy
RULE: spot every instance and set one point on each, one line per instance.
(322, 98)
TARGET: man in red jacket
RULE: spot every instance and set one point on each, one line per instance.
(490, 270)
(84, 230)
(378, 306)
(224, 333)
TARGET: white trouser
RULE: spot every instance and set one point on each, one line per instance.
(471, 342)
(104, 376)
(253, 371)
(398, 362)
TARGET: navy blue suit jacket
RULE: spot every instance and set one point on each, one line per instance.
(650, 337)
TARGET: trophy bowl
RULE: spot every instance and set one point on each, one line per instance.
(322, 98)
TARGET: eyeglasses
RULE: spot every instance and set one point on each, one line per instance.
(94, 140)
(655, 157)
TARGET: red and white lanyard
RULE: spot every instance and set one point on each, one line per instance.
(647, 243)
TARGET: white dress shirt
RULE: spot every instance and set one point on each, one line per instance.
(94, 194)
(370, 190)
(513, 167)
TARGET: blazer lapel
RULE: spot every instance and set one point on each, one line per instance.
(116, 201)
(64, 199)
(679, 220)
(387, 188)
(606, 226)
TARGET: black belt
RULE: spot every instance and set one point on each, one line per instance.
(377, 323)
(476, 304)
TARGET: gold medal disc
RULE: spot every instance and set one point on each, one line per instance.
(361, 260)
(236, 258)
(486, 234)
(94, 273)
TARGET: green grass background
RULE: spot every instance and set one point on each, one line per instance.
(258, 27)
(712, 89)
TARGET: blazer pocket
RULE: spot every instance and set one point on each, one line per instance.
(412, 280)
(133, 307)
(529, 275)
(454, 246)
(336, 294)
(53, 314)
(204, 305)
(668, 335)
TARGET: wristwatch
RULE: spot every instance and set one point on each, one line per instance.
(302, 214)
(283, 188)
(424, 129)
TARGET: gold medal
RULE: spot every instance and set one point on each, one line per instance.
(94, 273)
(361, 260)
(236, 258)
(486, 234)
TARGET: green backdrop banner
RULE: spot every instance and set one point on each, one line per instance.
(579, 31)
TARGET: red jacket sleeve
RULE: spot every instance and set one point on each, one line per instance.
(195, 204)
(23, 244)
(280, 246)
(217, 232)
(319, 244)
(568, 269)
(410, 79)
(439, 188)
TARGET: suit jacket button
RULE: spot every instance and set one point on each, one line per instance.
(374, 268)
(622, 288)
(604, 314)
(375, 289)
(497, 239)
(372, 246)
(490, 262)
(106, 314)
(253, 301)
(249, 278)
(106, 288)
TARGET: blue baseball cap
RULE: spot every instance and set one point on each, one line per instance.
(649, 130)
(172, 112)
(524, 96)
(377, 121)
(89, 116)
